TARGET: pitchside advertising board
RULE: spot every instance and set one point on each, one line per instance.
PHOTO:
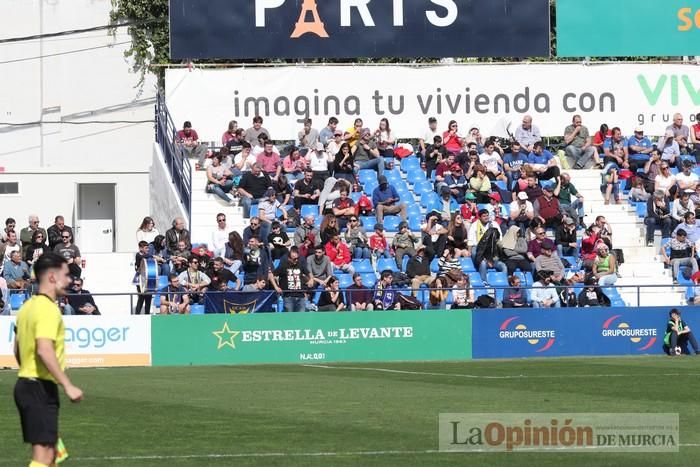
(93, 341)
(268, 29)
(613, 28)
(491, 97)
(512, 333)
(311, 337)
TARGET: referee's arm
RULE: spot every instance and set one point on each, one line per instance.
(46, 352)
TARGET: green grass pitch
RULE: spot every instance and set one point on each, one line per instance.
(349, 414)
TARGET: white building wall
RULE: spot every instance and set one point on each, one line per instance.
(165, 201)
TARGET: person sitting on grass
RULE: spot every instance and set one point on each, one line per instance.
(678, 335)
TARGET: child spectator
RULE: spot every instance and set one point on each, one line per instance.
(378, 243)
(462, 294)
(638, 193)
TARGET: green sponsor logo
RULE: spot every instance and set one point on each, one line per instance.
(311, 337)
(668, 83)
(615, 28)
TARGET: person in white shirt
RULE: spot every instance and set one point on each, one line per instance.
(219, 236)
(333, 145)
(544, 294)
(521, 211)
(686, 179)
(479, 228)
(429, 135)
(244, 160)
(492, 161)
(527, 134)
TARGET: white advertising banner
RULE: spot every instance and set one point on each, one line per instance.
(491, 97)
(93, 341)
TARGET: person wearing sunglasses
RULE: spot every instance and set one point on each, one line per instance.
(194, 281)
(71, 253)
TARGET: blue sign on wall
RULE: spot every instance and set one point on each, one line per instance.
(509, 333)
(264, 29)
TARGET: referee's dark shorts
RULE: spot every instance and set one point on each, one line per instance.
(37, 401)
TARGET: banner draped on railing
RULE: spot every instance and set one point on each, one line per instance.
(239, 302)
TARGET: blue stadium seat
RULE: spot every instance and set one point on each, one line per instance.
(241, 276)
(415, 176)
(355, 196)
(362, 266)
(156, 302)
(407, 197)
(413, 209)
(409, 163)
(394, 174)
(434, 205)
(367, 175)
(369, 279)
(475, 279)
(501, 184)
(17, 299)
(391, 223)
(572, 261)
(404, 263)
(641, 209)
(424, 186)
(196, 309)
(254, 210)
(275, 263)
(369, 187)
(309, 209)
(231, 285)
(386, 263)
(414, 221)
(467, 265)
(429, 198)
(317, 295)
(400, 185)
(497, 278)
(368, 223)
(434, 265)
(344, 280)
(162, 282)
(618, 302)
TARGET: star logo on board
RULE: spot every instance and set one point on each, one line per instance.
(226, 337)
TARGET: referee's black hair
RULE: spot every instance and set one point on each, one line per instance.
(48, 261)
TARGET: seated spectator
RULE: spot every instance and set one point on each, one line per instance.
(253, 133)
(651, 170)
(244, 161)
(227, 160)
(458, 235)
(691, 227)
(159, 252)
(294, 165)
(404, 243)
(254, 229)
(469, 210)
(549, 261)
(514, 296)
(195, 281)
(279, 241)
(147, 231)
(174, 299)
(451, 139)
(7, 248)
(434, 154)
(615, 149)
(543, 162)
(37, 247)
(544, 293)
(269, 160)
(366, 154)
(434, 235)
(534, 247)
(306, 190)
(385, 297)
(439, 291)
(682, 206)
(320, 266)
(589, 246)
(670, 151)
(343, 208)
(25, 235)
(16, 272)
(188, 143)
(527, 134)
(219, 236)
(512, 163)
(565, 238)
(291, 279)
(567, 296)
(259, 285)
(456, 182)
(605, 230)
(386, 200)
(252, 187)
(385, 138)
(230, 132)
(610, 183)
(638, 193)
(682, 254)
(639, 148)
(180, 257)
(255, 262)
(686, 179)
(443, 169)
(328, 228)
(428, 137)
(547, 207)
(80, 301)
(356, 239)
(570, 200)
(492, 162)
(695, 138)
(10, 224)
(71, 253)
(448, 262)
(267, 212)
(605, 267)
(344, 164)
(531, 188)
(358, 296)
(521, 212)
(418, 270)
(378, 244)
(332, 141)
(480, 184)
(580, 153)
(488, 254)
(308, 136)
(332, 298)
(176, 233)
(219, 179)
(204, 255)
(339, 254)
(233, 252)
(497, 213)
(478, 229)
(514, 249)
(531, 232)
(283, 191)
(447, 203)
(695, 299)
(462, 294)
(678, 335)
(307, 232)
(658, 217)
(681, 133)
(469, 160)
(592, 295)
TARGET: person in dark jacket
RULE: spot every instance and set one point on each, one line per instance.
(80, 301)
(418, 270)
(591, 295)
(658, 217)
(514, 296)
(565, 238)
(176, 234)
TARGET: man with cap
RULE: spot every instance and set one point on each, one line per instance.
(456, 182)
(638, 149)
(547, 207)
(404, 244)
(418, 270)
(682, 254)
(565, 238)
(678, 334)
(386, 200)
(670, 150)
(521, 212)
(429, 136)
(682, 206)
(548, 260)
(366, 153)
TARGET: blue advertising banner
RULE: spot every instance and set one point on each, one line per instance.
(508, 333)
(264, 29)
(239, 302)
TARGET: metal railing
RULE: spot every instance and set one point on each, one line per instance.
(175, 160)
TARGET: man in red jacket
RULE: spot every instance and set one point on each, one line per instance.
(339, 254)
(547, 207)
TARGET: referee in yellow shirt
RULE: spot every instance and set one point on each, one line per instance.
(39, 350)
